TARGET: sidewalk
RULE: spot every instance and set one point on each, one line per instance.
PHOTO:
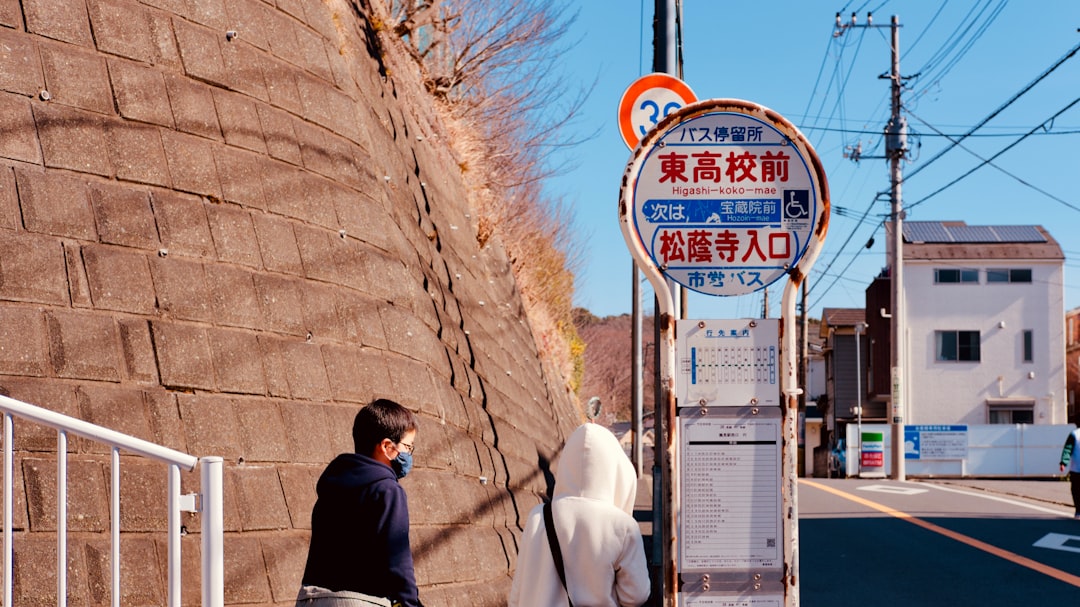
(1049, 490)
(1052, 491)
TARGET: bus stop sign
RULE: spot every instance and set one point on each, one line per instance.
(724, 197)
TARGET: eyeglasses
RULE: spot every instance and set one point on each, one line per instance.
(407, 446)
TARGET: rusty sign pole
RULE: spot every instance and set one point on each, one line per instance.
(666, 404)
(791, 391)
(666, 377)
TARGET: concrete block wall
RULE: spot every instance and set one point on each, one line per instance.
(225, 225)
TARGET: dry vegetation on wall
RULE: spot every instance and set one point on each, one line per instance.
(493, 67)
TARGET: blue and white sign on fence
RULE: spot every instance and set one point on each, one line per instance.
(936, 442)
(727, 197)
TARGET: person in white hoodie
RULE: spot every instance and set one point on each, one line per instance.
(602, 550)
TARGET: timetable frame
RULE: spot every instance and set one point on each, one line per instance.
(728, 363)
(731, 523)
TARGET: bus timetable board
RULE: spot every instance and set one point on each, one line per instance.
(725, 363)
(731, 519)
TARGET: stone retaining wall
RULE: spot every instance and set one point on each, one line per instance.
(224, 226)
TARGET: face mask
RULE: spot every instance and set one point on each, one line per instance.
(402, 464)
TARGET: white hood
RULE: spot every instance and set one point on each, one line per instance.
(594, 466)
(595, 487)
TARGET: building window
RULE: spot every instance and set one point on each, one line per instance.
(957, 345)
(1018, 414)
(1008, 275)
(955, 275)
(1029, 346)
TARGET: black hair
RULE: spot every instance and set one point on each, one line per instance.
(380, 419)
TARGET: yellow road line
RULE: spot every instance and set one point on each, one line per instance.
(1023, 561)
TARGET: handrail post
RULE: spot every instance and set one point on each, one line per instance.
(213, 560)
(174, 589)
(8, 521)
(114, 517)
(61, 517)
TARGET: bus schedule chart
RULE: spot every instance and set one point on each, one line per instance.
(730, 516)
(728, 363)
(742, 364)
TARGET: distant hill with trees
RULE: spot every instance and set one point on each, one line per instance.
(608, 362)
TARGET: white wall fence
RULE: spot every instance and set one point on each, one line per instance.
(994, 450)
(208, 502)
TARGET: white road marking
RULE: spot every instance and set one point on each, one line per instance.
(1057, 541)
(893, 489)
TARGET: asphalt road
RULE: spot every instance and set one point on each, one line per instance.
(884, 543)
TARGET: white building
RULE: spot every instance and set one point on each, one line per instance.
(985, 323)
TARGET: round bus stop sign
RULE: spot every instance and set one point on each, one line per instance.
(724, 197)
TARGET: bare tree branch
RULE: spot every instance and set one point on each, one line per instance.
(497, 66)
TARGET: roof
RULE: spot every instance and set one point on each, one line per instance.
(835, 318)
(933, 240)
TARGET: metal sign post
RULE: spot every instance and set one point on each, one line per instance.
(726, 197)
(646, 102)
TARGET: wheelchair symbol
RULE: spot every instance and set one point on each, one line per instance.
(796, 204)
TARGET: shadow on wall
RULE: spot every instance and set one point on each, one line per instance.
(447, 533)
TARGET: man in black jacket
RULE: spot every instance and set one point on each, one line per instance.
(359, 552)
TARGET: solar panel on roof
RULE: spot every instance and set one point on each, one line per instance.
(972, 234)
(925, 231)
(938, 232)
(1019, 234)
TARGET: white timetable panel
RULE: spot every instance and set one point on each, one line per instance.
(708, 600)
(731, 517)
(728, 362)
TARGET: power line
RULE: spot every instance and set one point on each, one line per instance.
(995, 156)
(817, 81)
(1003, 170)
(953, 143)
(937, 133)
(837, 78)
(912, 46)
(845, 244)
(997, 111)
(955, 58)
(843, 272)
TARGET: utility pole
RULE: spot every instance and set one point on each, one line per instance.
(895, 152)
(860, 328)
(895, 148)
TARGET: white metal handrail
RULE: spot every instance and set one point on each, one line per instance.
(208, 502)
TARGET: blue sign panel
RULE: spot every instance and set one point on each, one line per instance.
(931, 442)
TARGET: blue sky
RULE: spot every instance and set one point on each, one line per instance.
(970, 56)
